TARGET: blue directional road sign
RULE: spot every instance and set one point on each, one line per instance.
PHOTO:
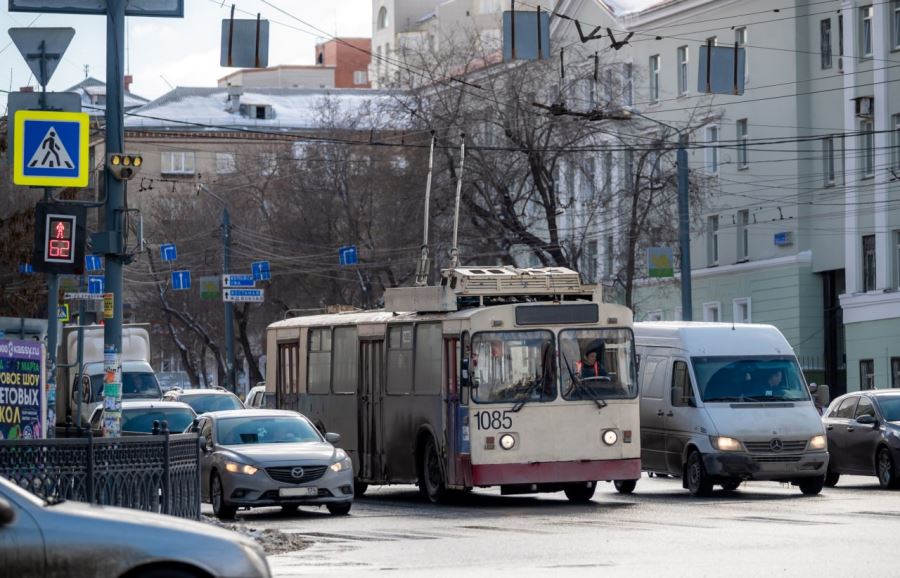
(261, 270)
(95, 284)
(51, 149)
(181, 280)
(26, 268)
(244, 295)
(93, 262)
(348, 255)
(238, 281)
(168, 252)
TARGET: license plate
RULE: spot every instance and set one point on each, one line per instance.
(295, 492)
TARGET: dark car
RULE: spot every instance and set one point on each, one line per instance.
(138, 416)
(205, 400)
(863, 431)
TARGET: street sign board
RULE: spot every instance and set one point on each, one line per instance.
(238, 281)
(82, 296)
(51, 149)
(209, 288)
(61, 101)
(93, 262)
(181, 280)
(347, 255)
(109, 305)
(245, 43)
(62, 313)
(42, 48)
(261, 270)
(168, 252)
(96, 284)
(660, 262)
(161, 8)
(243, 295)
(26, 268)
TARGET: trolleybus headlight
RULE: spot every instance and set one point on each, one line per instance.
(610, 437)
(507, 441)
(818, 442)
(726, 444)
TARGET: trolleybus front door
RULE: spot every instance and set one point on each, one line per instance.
(371, 357)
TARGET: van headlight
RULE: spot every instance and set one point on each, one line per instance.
(726, 444)
(818, 442)
(237, 468)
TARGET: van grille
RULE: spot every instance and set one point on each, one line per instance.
(787, 447)
(776, 459)
(283, 474)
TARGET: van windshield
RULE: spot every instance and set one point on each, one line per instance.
(748, 379)
(134, 386)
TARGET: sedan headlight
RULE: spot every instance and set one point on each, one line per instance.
(818, 442)
(726, 444)
(236, 468)
(341, 465)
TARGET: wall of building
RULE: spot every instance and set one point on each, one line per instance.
(875, 340)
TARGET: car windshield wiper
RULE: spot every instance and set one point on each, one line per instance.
(576, 381)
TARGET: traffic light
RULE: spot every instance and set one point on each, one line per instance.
(59, 238)
(124, 166)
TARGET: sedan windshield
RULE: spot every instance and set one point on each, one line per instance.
(234, 431)
(513, 366)
(757, 378)
(890, 407)
(141, 420)
(212, 402)
(134, 386)
(597, 364)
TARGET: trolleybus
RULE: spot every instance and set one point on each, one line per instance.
(517, 378)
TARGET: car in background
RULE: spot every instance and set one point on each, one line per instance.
(138, 416)
(268, 457)
(259, 398)
(205, 400)
(173, 380)
(76, 539)
(863, 430)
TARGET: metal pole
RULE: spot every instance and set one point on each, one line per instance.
(115, 193)
(52, 341)
(80, 398)
(684, 233)
(454, 251)
(229, 307)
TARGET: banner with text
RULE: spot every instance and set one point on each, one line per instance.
(22, 401)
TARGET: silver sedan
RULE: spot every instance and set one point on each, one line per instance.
(268, 457)
(76, 539)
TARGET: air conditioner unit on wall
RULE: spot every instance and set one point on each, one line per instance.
(865, 106)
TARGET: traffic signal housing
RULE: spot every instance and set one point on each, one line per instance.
(124, 166)
(59, 238)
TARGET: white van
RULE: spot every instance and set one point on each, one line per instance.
(723, 403)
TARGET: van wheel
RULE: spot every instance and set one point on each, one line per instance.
(698, 481)
(625, 486)
(811, 486)
(731, 485)
(581, 493)
(831, 478)
(884, 464)
(431, 478)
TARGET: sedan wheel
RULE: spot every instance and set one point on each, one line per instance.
(339, 509)
(222, 509)
(731, 485)
(885, 470)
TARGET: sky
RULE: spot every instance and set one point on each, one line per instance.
(180, 52)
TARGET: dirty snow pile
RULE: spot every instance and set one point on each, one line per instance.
(272, 541)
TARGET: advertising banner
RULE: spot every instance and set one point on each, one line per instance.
(22, 400)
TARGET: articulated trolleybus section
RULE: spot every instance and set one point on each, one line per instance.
(518, 378)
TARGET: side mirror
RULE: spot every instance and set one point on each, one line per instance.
(7, 513)
(332, 437)
(813, 388)
(866, 420)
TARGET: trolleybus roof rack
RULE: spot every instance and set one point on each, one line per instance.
(464, 287)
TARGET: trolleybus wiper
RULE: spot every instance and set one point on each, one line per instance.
(525, 395)
(577, 382)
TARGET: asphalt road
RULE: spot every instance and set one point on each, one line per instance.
(762, 529)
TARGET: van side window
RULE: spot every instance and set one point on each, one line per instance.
(653, 376)
(682, 392)
(865, 407)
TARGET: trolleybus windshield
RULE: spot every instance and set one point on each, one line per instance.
(597, 364)
(513, 366)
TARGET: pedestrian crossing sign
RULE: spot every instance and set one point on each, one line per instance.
(51, 149)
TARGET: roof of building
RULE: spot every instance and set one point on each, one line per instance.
(193, 108)
(92, 89)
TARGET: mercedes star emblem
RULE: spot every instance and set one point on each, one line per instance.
(776, 445)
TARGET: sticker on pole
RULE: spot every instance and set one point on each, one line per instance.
(51, 149)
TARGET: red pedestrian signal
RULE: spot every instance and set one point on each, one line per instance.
(60, 238)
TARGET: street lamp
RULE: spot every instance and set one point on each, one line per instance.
(226, 267)
(684, 232)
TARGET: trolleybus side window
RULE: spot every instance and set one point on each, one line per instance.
(344, 360)
(513, 366)
(400, 360)
(597, 364)
(319, 374)
(464, 368)
(286, 379)
(428, 358)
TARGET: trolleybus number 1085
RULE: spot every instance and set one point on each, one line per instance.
(496, 419)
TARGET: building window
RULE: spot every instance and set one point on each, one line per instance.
(382, 18)
(607, 171)
(682, 70)
(865, 33)
(177, 163)
(360, 77)
(825, 42)
(711, 312)
(828, 160)
(712, 149)
(895, 25)
(895, 372)
(225, 163)
(610, 257)
(741, 310)
(628, 83)
(590, 262)
(868, 264)
(712, 240)
(897, 259)
(867, 144)
(895, 141)
(628, 169)
(740, 38)
(743, 234)
(743, 142)
(866, 374)
(654, 78)
(712, 41)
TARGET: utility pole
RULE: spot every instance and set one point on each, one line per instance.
(684, 230)
(229, 306)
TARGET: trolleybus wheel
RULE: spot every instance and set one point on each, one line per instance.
(581, 493)
(625, 486)
(431, 481)
(698, 481)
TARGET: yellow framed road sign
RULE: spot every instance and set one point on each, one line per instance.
(51, 149)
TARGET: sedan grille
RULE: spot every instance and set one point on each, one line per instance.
(286, 474)
(769, 447)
